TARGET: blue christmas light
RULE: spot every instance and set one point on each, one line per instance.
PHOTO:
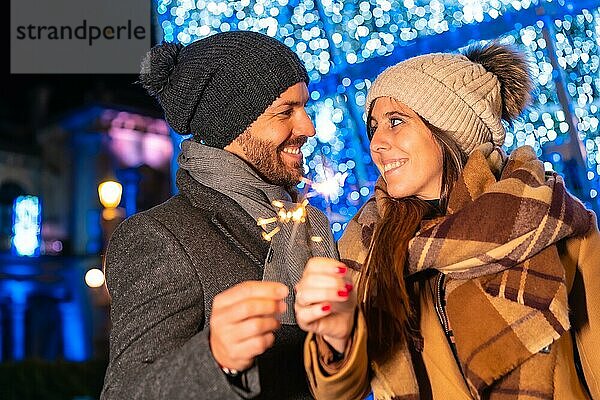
(335, 37)
(27, 212)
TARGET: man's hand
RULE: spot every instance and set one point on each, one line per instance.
(243, 320)
(325, 301)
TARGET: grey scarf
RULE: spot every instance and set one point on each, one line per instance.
(292, 246)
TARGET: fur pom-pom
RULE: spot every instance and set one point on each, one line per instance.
(512, 70)
(157, 66)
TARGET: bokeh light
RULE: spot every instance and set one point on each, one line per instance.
(94, 278)
(109, 193)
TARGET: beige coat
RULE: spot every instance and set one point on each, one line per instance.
(581, 259)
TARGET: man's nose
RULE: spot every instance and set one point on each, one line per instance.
(305, 126)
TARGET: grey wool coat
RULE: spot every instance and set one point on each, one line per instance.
(164, 266)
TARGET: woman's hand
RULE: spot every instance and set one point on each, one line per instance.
(326, 301)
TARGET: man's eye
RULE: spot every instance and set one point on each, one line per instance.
(287, 112)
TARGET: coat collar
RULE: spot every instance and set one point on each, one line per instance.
(227, 215)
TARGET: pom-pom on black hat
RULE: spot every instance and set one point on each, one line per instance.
(216, 87)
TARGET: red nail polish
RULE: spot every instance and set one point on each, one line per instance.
(342, 293)
(342, 270)
(326, 308)
(349, 287)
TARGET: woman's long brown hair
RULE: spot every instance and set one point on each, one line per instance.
(382, 289)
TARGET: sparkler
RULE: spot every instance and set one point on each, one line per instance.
(327, 188)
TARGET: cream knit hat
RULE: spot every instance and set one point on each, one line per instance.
(466, 95)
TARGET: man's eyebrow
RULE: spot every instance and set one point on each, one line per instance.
(290, 103)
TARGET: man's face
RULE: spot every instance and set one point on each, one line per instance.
(272, 143)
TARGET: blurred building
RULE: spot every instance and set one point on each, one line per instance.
(47, 309)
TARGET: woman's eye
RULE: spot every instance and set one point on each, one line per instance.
(396, 121)
(372, 130)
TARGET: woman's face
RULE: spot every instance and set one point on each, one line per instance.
(405, 151)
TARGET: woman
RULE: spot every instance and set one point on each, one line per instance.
(476, 274)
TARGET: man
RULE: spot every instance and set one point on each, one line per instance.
(201, 302)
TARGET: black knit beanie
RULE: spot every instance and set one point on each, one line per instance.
(216, 87)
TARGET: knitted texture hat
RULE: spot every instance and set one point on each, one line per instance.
(466, 95)
(216, 87)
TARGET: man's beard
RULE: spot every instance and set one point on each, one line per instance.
(267, 160)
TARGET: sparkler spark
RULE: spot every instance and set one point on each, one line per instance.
(330, 186)
(268, 236)
(297, 215)
(265, 221)
(277, 203)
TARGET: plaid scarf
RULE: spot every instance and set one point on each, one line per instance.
(506, 298)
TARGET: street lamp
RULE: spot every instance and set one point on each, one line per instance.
(110, 196)
(110, 193)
